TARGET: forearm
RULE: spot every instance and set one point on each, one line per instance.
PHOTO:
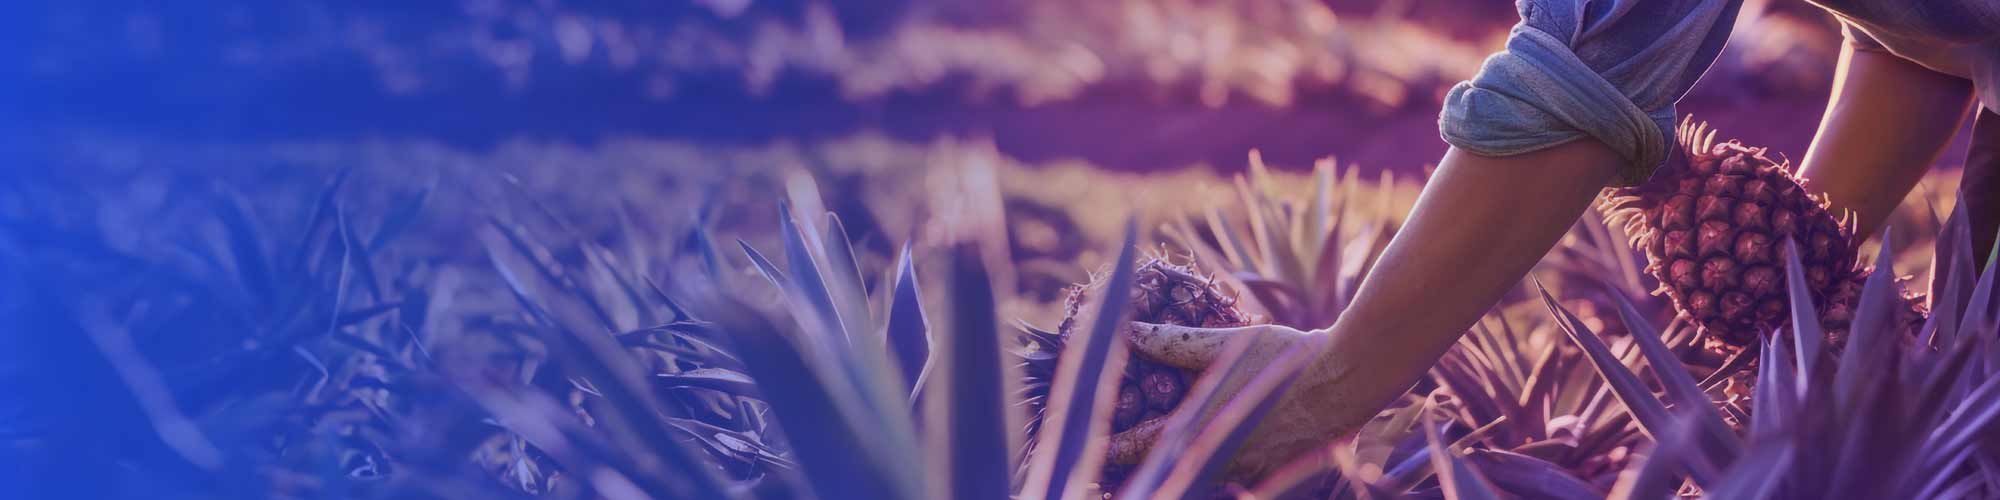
(1479, 226)
(1887, 120)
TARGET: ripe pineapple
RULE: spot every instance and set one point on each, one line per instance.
(1712, 232)
(1163, 292)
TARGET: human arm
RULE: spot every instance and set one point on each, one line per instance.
(1583, 95)
(1479, 225)
(1887, 120)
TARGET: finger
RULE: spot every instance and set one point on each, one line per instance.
(1128, 447)
(1186, 347)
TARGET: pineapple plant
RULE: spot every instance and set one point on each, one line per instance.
(1711, 228)
(1298, 260)
(291, 353)
(1898, 413)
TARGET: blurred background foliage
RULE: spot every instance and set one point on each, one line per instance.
(1126, 84)
(654, 101)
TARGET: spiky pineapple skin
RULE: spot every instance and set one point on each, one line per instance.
(1163, 292)
(1713, 233)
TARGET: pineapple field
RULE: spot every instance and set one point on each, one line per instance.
(796, 249)
(405, 339)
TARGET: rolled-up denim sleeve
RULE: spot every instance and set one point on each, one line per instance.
(1610, 70)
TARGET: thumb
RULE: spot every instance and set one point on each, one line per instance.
(1127, 448)
(1184, 347)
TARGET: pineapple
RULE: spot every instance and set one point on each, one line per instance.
(1712, 231)
(1163, 292)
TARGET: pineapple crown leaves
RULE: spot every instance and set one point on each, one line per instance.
(1294, 260)
(848, 354)
(825, 292)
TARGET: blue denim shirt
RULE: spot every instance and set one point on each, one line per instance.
(1609, 70)
(1957, 37)
(1612, 69)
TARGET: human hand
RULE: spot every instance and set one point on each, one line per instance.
(1309, 415)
